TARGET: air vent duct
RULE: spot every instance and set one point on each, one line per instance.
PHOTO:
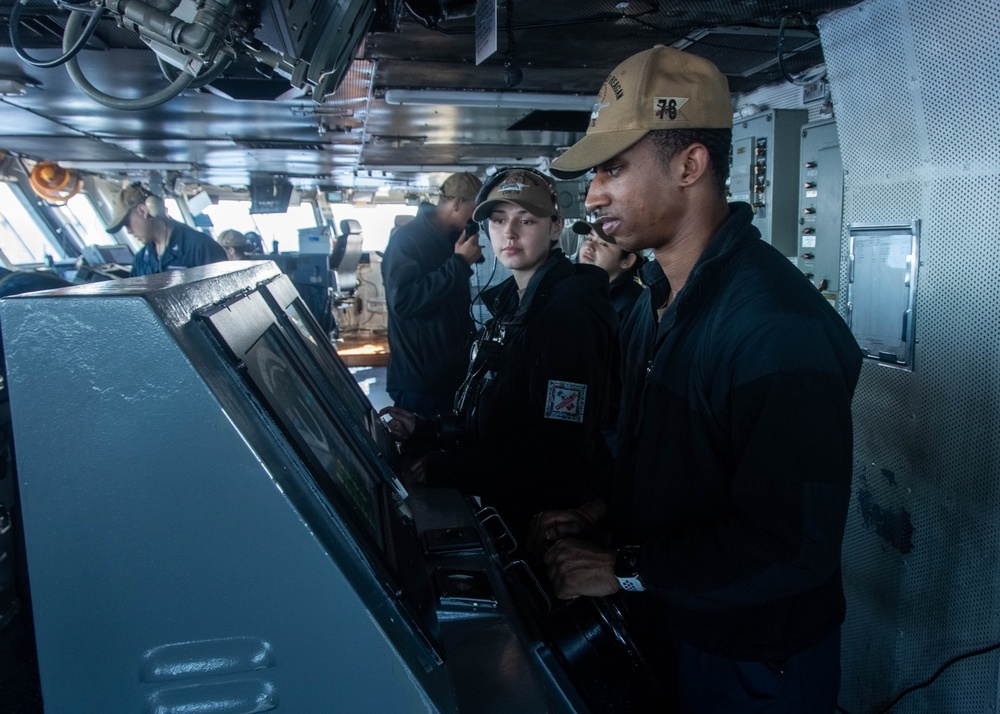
(281, 144)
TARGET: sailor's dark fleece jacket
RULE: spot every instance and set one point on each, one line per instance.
(624, 292)
(428, 296)
(735, 450)
(522, 448)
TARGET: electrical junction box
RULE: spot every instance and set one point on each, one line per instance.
(821, 206)
(764, 170)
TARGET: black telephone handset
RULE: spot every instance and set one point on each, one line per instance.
(471, 229)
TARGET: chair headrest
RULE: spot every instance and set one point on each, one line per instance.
(349, 225)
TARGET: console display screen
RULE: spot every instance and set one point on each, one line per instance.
(300, 385)
(337, 383)
(309, 427)
(347, 392)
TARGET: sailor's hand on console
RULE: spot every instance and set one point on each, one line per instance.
(401, 423)
(468, 247)
(578, 567)
(549, 526)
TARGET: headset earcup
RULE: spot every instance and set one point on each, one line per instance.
(491, 182)
(483, 193)
(155, 206)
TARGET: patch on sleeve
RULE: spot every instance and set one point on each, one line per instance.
(565, 401)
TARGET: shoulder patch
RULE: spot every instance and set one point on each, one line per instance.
(565, 401)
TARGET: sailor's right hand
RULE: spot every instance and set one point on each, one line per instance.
(400, 423)
(468, 247)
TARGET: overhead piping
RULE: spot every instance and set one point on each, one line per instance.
(84, 165)
(68, 52)
(198, 48)
(494, 100)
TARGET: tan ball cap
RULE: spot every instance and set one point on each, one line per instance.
(660, 88)
(532, 192)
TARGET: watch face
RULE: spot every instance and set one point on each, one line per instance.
(627, 562)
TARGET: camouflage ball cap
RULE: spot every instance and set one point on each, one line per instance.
(231, 238)
(463, 185)
(532, 192)
(660, 88)
(123, 202)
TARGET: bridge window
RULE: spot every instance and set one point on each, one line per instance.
(21, 239)
(281, 227)
(80, 215)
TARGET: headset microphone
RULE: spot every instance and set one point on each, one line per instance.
(472, 229)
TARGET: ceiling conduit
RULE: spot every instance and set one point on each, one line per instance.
(196, 45)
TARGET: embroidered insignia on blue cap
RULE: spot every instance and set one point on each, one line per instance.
(565, 401)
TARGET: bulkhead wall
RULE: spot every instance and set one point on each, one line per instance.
(915, 86)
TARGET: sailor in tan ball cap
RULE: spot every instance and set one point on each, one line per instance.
(659, 89)
(725, 524)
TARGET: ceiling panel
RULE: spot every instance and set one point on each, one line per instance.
(255, 121)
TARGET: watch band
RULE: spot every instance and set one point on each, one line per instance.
(631, 584)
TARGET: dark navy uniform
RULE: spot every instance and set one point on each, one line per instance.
(430, 328)
(737, 499)
(526, 434)
(186, 248)
(624, 292)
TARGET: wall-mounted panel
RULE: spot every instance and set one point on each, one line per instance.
(765, 160)
(882, 288)
(821, 206)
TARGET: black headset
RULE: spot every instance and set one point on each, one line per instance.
(484, 225)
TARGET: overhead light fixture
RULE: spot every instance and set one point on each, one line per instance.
(10, 87)
(398, 141)
(502, 160)
(490, 100)
(127, 165)
(417, 168)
